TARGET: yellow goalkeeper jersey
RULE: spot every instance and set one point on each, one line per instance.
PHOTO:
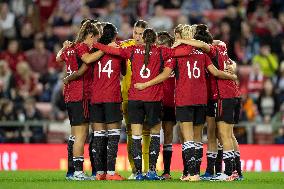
(126, 80)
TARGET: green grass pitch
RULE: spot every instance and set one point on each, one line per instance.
(56, 180)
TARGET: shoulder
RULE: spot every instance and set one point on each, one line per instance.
(127, 43)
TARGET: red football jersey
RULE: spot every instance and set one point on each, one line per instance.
(191, 86)
(106, 79)
(73, 91)
(81, 49)
(141, 74)
(169, 91)
(225, 88)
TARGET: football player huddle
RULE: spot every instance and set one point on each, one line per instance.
(186, 79)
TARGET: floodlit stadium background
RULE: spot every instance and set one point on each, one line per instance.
(31, 102)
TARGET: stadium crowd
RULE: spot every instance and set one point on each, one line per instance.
(32, 32)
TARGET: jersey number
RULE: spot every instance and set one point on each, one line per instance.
(107, 68)
(145, 72)
(195, 70)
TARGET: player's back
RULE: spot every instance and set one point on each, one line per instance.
(191, 77)
(106, 79)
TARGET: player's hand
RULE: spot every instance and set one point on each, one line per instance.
(229, 69)
(113, 44)
(140, 86)
(65, 80)
(67, 44)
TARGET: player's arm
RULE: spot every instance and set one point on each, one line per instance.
(160, 78)
(65, 45)
(75, 74)
(108, 49)
(231, 67)
(220, 74)
(89, 58)
(196, 43)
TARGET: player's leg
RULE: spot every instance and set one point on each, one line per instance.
(136, 119)
(100, 137)
(79, 131)
(235, 142)
(145, 147)
(225, 128)
(168, 123)
(198, 123)
(185, 115)
(129, 138)
(113, 117)
(153, 118)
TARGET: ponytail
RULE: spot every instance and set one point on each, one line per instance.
(149, 37)
(87, 28)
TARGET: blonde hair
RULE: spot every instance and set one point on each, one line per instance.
(188, 31)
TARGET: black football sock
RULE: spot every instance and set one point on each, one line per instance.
(78, 163)
(228, 157)
(211, 158)
(167, 157)
(137, 152)
(189, 148)
(154, 151)
(99, 148)
(219, 159)
(70, 144)
(198, 156)
(112, 148)
(91, 154)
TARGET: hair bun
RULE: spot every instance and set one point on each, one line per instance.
(202, 27)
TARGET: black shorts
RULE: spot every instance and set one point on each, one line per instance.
(195, 114)
(229, 109)
(77, 113)
(138, 110)
(168, 114)
(105, 113)
(211, 109)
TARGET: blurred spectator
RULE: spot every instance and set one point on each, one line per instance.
(255, 82)
(281, 20)
(83, 13)
(9, 134)
(125, 32)
(247, 45)
(182, 19)
(6, 81)
(45, 9)
(227, 37)
(171, 4)
(279, 139)
(194, 9)
(248, 112)
(234, 19)
(60, 18)
(38, 57)
(26, 82)
(13, 55)
(95, 4)
(49, 38)
(19, 7)
(70, 7)
(58, 104)
(26, 36)
(267, 61)
(7, 21)
(32, 113)
(111, 15)
(280, 83)
(222, 4)
(160, 21)
(259, 20)
(268, 103)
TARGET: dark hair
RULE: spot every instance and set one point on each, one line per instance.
(86, 28)
(178, 29)
(149, 37)
(109, 33)
(141, 24)
(202, 33)
(164, 38)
